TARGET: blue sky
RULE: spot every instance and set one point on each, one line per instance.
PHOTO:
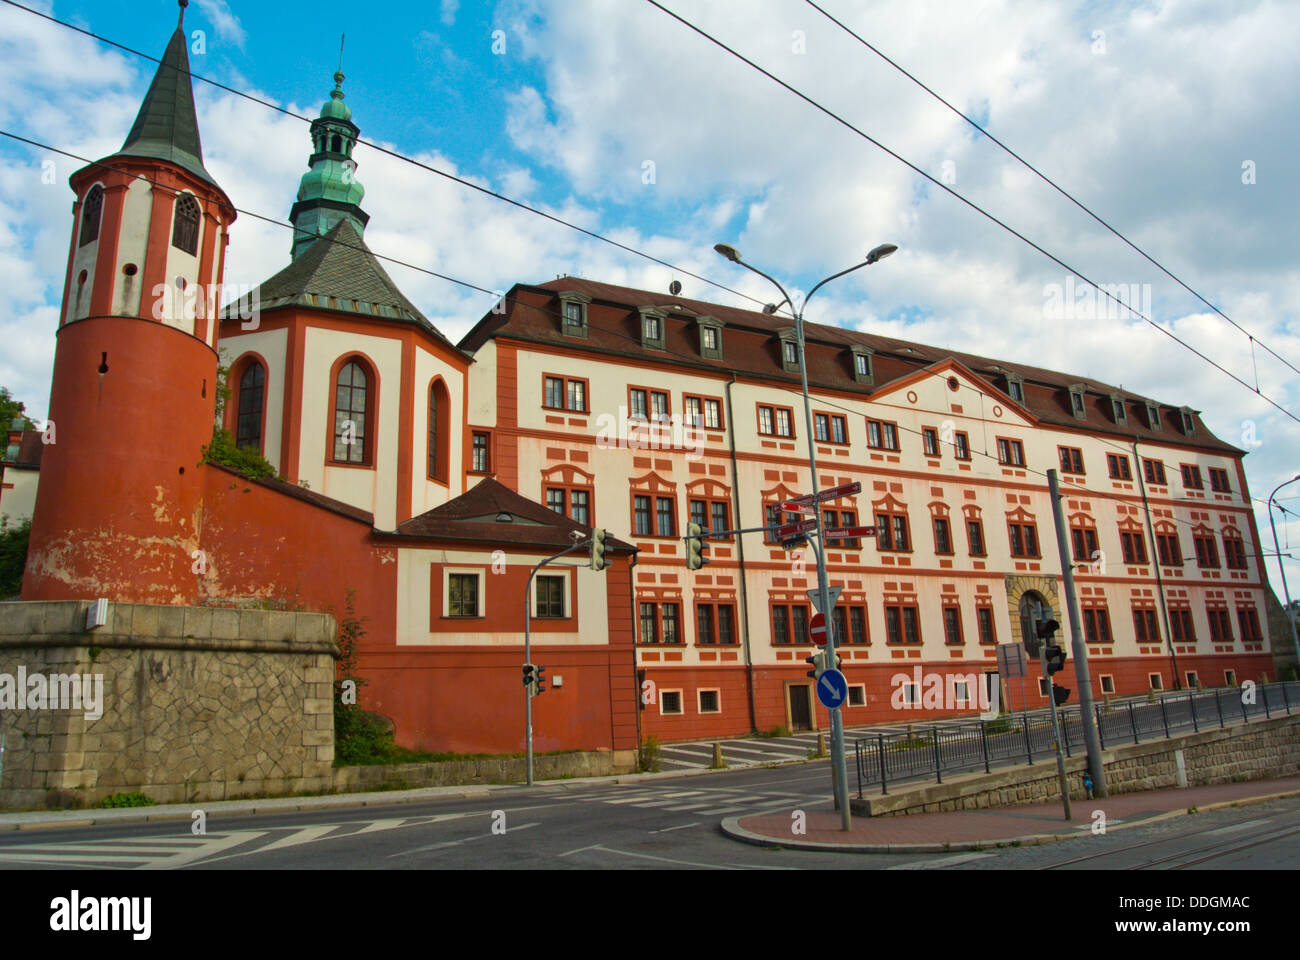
(1146, 111)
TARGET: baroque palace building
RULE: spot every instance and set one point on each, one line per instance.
(424, 479)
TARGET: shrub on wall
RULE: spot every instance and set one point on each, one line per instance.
(13, 555)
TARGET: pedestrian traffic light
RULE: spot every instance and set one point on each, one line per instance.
(695, 549)
(816, 661)
(1060, 695)
(1055, 658)
(598, 549)
(539, 681)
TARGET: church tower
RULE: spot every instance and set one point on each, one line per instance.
(135, 365)
(329, 191)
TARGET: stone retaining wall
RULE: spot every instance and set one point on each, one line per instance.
(1260, 750)
(198, 703)
(600, 763)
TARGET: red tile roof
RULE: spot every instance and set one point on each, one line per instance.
(750, 346)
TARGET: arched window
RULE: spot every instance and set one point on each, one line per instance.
(439, 432)
(185, 226)
(337, 144)
(248, 430)
(90, 214)
(351, 414)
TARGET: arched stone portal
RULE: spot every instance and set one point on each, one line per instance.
(1030, 600)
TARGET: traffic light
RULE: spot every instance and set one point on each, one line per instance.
(816, 660)
(695, 548)
(530, 677)
(1055, 658)
(1044, 630)
(598, 549)
(539, 681)
(1060, 695)
(1047, 629)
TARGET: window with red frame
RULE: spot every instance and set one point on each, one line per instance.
(1144, 623)
(1220, 625)
(1071, 459)
(1024, 539)
(1169, 548)
(704, 412)
(942, 536)
(1011, 452)
(565, 393)
(1154, 471)
(892, 532)
(882, 435)
(1207, 551)
(790, 623)
(930, 437)
(660, 622)
(842, 518)
(830, 428)
(1119, 466)
(1133, 545)
(1096, 624)
(1248, 620)
(715, 623)
(1234, 551)
(1083, 541)
(975, 537)
(984, 618)
(902, 623)
(775, 421)
(571, 502)
(1219, 480)
(1180, 622)
(1192, 477)
(710, 514)
(952, 625)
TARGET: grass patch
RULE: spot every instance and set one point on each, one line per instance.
(774, 732)
(133, 799)
(647, 755)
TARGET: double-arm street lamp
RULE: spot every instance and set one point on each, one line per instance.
(1290, 617)
(837, 726)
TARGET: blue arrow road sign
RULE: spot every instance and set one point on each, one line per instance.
(832, 689)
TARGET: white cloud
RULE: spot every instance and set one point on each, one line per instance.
(224, 21)
(449, 8)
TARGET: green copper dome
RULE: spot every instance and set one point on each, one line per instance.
(335, 108)
(329, 191)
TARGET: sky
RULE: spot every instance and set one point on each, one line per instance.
(1174, 122)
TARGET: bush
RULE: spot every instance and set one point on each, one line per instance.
(133, 799)
(647, 755)
(13, 555)
(774, 732)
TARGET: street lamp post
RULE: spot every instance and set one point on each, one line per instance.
(838, 761)
(1295, 644)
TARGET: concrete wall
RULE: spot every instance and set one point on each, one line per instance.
(1260, 750)
(197, 703)
(599, 763)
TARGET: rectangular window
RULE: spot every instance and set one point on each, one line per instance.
(790, 352)
(668, 622)
(858, 624)
(1207, 551)
(1144, 623)
(1220, 626)
(766, 421)
(857, 695)
(1154, 471)
(726, 623)
(638, 406)
(550, 596)
(892, 533)
(1156, 681)
(482, 460)
(1219, 480)
(784, 423)
(1024, 539)
(641, 516)
(712, 414)
(554, 393)
(462, 595)
(580, 507)
(709, 337)
(709, 702)
(911, 625)
(658, 406)
(1011, 452)
(1193, 681)
(1096, 625)
(822, 427)
(799, 623)
(952, 625)
(563, 393)
(1180, 622)
(1248, 620)
(1084, 543)
(840, 619)
(975, 535)
(961, 444)
(780, 624)
(1107, 683)
(1169, 549)
(698, 511)
(691, 409)
(670, 701)
(1119, 466)
(718, 510)
(1234, 553)
(1071, 459)
(666, 516)
(704, 623)
(942, 536)
(652, 329)
(555, 500)
(882, 435)
(1134, 546)
(930, 436)
(984, 617)
(573, 320)
(649, 631)
(1191, 477)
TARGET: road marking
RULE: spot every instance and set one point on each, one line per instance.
(940, 864)
(457, 843)
(579, 850)
(682, 827)
(646, 856)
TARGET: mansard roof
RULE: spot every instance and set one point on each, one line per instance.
(751, 347)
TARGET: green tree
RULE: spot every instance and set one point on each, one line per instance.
(11, 410)
(13, 555)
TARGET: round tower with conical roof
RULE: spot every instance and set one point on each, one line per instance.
(329, 191)
(135, 365)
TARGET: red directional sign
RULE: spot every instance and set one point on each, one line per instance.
(817, 629)
(788, 530)
(834, 493)
(848, 533)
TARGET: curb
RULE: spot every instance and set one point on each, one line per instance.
(731, 828)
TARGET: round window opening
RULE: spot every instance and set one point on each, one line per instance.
(130, 269)
(953, 384)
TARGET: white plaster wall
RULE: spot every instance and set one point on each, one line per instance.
(273, 346)
(132, 243)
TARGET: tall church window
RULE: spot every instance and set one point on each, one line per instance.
(439, 431)
(248, 430)
(185, 226)
(352, 400)
(90, 214)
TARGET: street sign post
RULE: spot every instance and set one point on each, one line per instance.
(796, 504)
(1011, 660)
(848, 533)
(796, 529)
(832, 689)
(817, 629)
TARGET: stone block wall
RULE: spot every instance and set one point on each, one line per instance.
(198, 703)
(595, 763)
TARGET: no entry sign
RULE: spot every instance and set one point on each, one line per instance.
(817, 629)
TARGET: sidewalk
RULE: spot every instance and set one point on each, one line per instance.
(1001, 826)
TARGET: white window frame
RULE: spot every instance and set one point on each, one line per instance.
(1159, 681)
(566, 594)
(1103, 680)
(861, 690)
(681, 707)
(699, 699)
(446, 590)
(1043, 687)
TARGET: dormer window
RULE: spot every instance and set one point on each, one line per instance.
(653, 330)
(1076, 402)
(789, 351)
(1015, 388)
(573, 314)
(1189, 425)
(1153, 416)
(710, 338)
(862, 364)
(1117, 410)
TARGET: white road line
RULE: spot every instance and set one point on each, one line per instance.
(682, 827)
(634, 799)
(646, 856)
(1238, 826)
(940, 864)
(457, 843)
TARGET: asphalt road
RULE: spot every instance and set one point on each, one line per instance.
(669, 823)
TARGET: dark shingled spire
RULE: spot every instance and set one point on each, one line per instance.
(167, 127)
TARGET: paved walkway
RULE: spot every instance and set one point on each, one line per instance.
(978, 829)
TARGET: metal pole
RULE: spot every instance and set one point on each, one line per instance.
(1290, 617)
(1078, 644)
(528, 693)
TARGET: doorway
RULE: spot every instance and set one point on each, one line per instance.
(800, 695)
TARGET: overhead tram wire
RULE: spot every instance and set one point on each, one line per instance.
(969, 203)
(399, 156)
(1048, 180)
